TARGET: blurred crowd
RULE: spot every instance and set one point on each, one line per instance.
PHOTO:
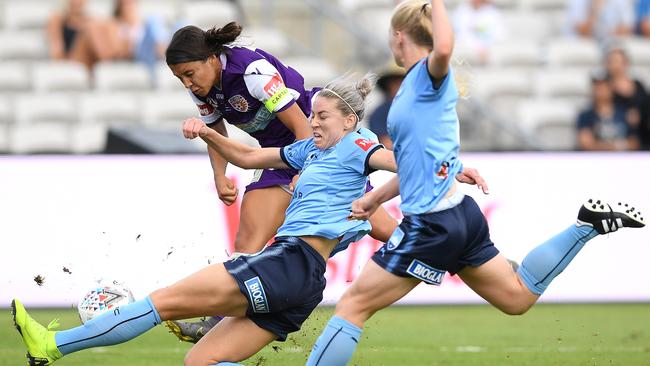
(617, 118)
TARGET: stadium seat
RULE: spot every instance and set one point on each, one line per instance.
(111, 109)
(22, 45)
(526, 25)
(165, 79)
(638, 50)
(88, 139)
(552, 121)
(502, 82)
(572, 83)
(545, 5)
(43, 123)
(121, 76)
(29, 14)
(5, 120)
(516, 53)
(642, 74)
(353, 5)
(207, 14)
(376, 21)
(168, 110)
(270, 40)
(14, 77)
(167, 10)
(573, 52)
(60, 76)
(316, 71)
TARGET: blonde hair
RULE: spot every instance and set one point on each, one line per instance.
(414, 18)
(350, 94)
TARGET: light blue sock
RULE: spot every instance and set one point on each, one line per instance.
(549, 259)
(227, 364)
(112, 327)
(336, 344)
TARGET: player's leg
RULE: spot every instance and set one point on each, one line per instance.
(373, 290)
(209, 291)
(232, 340)
(383, 225)
(261, 214)
(515, 293)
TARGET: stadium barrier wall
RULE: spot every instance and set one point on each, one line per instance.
(150, 220)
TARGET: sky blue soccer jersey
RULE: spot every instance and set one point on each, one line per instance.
(423, 124)
(330, 180)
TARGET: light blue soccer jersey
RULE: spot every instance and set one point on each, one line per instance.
(330, 180)
(423, 124)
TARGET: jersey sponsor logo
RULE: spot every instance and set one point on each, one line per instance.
(395, 239)
(205, 109)
(274, 86)
(256, 295)
(258, 123)
(239, 103)
(425, 273)
(443, 172)
(364, 144)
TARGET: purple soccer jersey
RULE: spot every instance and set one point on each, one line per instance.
(254, 87)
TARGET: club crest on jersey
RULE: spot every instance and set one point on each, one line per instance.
(239, 103)
(256, 295)
(425, 273)
(364, 144)
(443, 172)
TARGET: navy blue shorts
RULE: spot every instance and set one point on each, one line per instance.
(425, 246)
(283, 284)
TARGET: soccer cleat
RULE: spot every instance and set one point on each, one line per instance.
(40, 343)
(192, 331)
(607, 219)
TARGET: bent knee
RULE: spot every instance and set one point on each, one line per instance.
(515, 309)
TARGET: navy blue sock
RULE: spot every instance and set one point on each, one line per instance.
(549, 259)
(336, 344)
(112, 327)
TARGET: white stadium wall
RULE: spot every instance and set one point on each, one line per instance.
(150, 220)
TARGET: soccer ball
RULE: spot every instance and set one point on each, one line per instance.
(106, 295)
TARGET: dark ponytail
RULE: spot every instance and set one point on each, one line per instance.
(191, 43)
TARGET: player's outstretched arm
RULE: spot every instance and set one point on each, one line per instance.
(235, 152)
(365, 206)
(443, 41)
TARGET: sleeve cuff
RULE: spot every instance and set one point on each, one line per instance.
(367, 169)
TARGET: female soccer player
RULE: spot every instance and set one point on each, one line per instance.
(269, 294)
(254, 91)
(442, 230)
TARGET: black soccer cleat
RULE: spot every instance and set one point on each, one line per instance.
(607, 219)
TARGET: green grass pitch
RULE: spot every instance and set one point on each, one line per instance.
(427, 335)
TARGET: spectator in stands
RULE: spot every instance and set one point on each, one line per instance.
(600, 19)
(628, 93)
(642, 21)
(604, 125)
(389, 82)
(63, 29)
(140, 39)
(478, 25)
(126, 36)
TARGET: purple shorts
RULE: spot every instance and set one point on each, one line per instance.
(264, 178)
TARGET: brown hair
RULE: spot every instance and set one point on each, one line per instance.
(191, 43)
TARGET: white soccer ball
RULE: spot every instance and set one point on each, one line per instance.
(105, 296)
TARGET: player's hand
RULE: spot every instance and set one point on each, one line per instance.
(363, 208)
(294, 181)
(472, 176)
(194, 127)
(226, 190)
